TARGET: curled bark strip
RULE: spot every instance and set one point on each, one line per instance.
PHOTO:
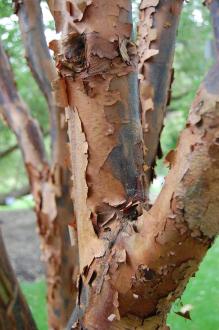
(156, 40)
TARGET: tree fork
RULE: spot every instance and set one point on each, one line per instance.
(133, 265)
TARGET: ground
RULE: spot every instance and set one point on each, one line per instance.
(22, 243)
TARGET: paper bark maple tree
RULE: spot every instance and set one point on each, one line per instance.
(134, 259)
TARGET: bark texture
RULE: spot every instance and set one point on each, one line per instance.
(50, 189)
(97, 69)
(44, 71)
(147, 265)
(14, 311)
(134, 263)
(156, 43)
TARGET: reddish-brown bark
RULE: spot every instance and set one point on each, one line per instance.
(50, 189)
(14, 311)
(60, 297)
(156, 43)
(133, 262)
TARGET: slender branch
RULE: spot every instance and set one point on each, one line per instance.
(16, 114)
(44, 71)
(8, 151)
(50, 189)
(214, 11)
(156, 42)
(14, 311)
(25, 190)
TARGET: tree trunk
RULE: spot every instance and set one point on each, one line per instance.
(14, 311)
(134, 263)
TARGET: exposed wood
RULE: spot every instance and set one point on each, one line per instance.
(14, 311)
(156, 43)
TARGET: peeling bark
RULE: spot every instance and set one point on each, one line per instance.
(44, 71)
(134, 263)
(50, 189)
(97, 69)
(14, 311)
(149, 262)
(156, 42)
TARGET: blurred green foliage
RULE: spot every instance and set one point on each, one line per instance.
(12, 171)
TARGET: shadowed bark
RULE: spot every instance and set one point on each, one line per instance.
(14, 311)
(156, 43)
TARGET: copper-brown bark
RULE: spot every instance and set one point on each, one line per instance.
(44, 71)
(97, 68)
(148, 264)
(50, 189)
(134, 263)
(14, 311)
(156, 43)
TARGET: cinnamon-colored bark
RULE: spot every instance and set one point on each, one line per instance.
(156, 43)
(14, 311)
(44, 71)
(50, 189)
(147, 265)
(97, 70)
(134, 263)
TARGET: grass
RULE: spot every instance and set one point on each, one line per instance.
(36, 297)
(202, 293)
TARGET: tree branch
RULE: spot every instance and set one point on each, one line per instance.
(25, 190)
(8, 151)
(44, 71)
(156, 42)
(14, 311)
(149, 260)
(50, 189)
(214, 11)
